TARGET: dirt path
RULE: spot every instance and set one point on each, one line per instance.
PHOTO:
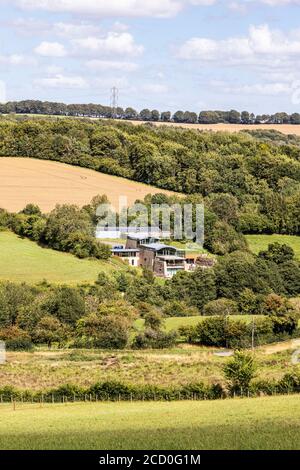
(279, 347)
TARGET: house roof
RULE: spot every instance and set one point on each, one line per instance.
(142, 236)
(124, 250)
(158, 247)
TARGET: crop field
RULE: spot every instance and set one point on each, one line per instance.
(45, 369)
(47, 183)
(259, 243)
(284, 128)
(23, 260)
(255, 423)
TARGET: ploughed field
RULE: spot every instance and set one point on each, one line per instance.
(47, 183)
(255, 423)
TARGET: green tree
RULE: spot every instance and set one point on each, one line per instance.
(240, 371)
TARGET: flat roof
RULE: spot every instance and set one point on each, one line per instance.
(124, 250)
(142, 236)
(159, 246)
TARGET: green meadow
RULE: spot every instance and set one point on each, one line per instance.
(259, 243)
(22, 260)
(255, 423)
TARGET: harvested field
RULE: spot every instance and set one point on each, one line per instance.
(47, 183)
(284, 128)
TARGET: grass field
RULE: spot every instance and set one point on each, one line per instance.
(22, 260)
(45, 369)
(173, 323)
(255, 423)
(47, 183)
(258, 243)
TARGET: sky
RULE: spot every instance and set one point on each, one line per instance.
(165, 54)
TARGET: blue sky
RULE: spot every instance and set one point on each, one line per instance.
(165, 54)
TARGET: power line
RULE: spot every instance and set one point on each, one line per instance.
(114, 101)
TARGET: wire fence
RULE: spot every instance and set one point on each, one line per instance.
(53, 399)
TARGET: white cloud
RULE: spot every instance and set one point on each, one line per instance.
(155, 88)
(280, 2)
(61, 81)
(17, 59)
(74, 29)
(264, 89)
(119, 8)
(53, 69)
(260, 45)
(114, 8)
(113, 43)
(104, 65)
(51, 49)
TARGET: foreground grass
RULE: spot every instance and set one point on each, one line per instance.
(257, 423)
(23, 260)
(259, 243)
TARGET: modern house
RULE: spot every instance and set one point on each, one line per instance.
(109, 232)
(147, 251)
(136, 240)
(130, 255)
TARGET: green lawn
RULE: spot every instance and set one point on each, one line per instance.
(258, 243)
(23, 260)
(173, 323)
(255, 423)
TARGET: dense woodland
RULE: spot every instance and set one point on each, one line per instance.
(250, 183)
(100, 111)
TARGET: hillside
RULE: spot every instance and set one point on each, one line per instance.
(23, 260)
(256, 423)
(47, 183)
(259, 243)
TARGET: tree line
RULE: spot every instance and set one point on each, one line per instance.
(248, 184)
(99, 111)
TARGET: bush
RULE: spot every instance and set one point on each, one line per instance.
(21, 344)
(239, 371)
(155, 339)
(178, 308)
(221, 307)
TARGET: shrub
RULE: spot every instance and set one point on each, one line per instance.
(21, 344)
(155, 339)
(221, 307)
(239, 371)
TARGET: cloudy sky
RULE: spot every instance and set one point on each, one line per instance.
(167, 54)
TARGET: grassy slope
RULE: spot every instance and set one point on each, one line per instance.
(24, 261)
(258, 243)
(257, 423)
